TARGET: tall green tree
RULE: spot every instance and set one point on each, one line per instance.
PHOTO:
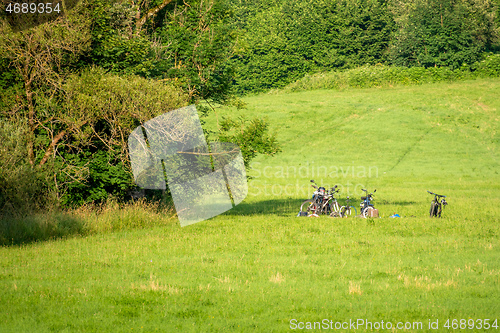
(288, 39)
(80, 84)
(443, 32)
(174, 40)
(42, 57)
(198, 41)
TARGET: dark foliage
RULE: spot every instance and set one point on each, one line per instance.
(291, 38)
(443, 32)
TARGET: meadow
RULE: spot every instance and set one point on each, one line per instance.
(258, 267)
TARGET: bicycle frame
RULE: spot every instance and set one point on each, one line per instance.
(322, 200)
(367, 202)
(436, 205)
(346, 210)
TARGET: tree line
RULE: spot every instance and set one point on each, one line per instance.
(73, 88)
(280, 41)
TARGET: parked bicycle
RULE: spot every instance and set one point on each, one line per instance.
(347, 210)
(334, 205)
(322, 202)
(436, 205)
(366, 204)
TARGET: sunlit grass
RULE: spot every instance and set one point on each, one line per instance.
(258, 266)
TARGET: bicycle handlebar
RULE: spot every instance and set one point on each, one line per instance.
(438, 195)
(332, 190)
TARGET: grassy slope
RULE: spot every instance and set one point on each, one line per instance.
(257, 266)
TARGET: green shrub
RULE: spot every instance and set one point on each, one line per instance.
(488, 67)
(381, 75)
(23, 188)
(95, 161)
(442, 32)
(283, 41)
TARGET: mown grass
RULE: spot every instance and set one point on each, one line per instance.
(246, 273)
(258, 266)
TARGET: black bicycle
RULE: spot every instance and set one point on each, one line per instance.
(347, 210)
(436, 205)
(366, 204)
(321, 202)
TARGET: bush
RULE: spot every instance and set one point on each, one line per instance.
(488, 67)
(442, 32)
(23, 189)
(283, 41)
(95, 161)
(381, 75)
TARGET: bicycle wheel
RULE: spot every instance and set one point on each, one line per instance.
(334, 209)
(344, 211)
(335, 214)
(309, 206)
(434, 209)
(327, 209)
(366, 211)
(347, 211)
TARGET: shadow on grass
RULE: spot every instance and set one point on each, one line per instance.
(286, 207)
(280, 207)
(398, 203)
(16, 230)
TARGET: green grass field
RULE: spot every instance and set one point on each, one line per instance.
(258, 267)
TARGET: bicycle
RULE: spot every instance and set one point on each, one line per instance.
(320, 202)
(436, 206)
(366, 204)
(346, 210)
(334, 205)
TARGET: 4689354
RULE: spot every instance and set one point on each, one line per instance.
(454, 324)
(32, 8)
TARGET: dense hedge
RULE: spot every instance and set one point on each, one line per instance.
(442, 32)
(284, 40)
(281, 41)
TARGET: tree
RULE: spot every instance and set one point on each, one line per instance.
(252, 136)
(198, 42)
(281, 41)
(110, 107)
(81, 83)
(146, 10)
(42, 58)
(189, 42)
(70, 116)
(442, 32)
